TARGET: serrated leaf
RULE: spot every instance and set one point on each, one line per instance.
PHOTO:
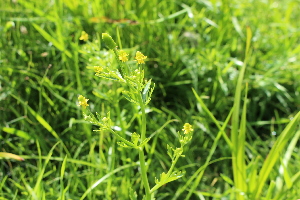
(132, 194)
(170, 151)
(122, 144)
(149, 94)
(178, 151)
(108, 76)
(128, 97)
(98, 116)
(176, 175)
(164, 178)
(146, 90)
(90, 118)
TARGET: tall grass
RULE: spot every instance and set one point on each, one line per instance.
(245, 140)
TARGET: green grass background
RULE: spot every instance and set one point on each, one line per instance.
(189, 44)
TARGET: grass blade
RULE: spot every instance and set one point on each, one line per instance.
(273, 156)
(17, 132)
(49, 38)
(238, 133)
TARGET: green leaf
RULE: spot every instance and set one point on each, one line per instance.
(165, 178)
(274, 154)
(146, 90)
(122, 144)
(129, 97)
(170, 151)
(17, 132)
(132, 194)
(110, 43)
(62, 172)
(227, 179)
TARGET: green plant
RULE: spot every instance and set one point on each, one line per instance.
(199, 44)
(138, 91)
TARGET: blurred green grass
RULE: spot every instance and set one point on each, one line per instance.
(190, 44)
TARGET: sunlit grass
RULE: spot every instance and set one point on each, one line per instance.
(196, 52)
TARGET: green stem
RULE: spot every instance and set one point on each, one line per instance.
(144, 173)
(124, 70)
(123, 140)
(143, 128)
(141, 151)
(173, 165)
(168, 174)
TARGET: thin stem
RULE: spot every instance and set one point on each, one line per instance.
(144, 173)
(123, 69)
(141, 151)
(123, 140)
(143, 128)
(173, 165)
(157, 186)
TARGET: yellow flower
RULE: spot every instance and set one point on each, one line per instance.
(140, 57)
(84, 36)
(123, 56)
(187, 128)
(98, 69)
(82, 101)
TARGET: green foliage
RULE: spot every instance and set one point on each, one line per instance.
(138, 93)
(245, 140)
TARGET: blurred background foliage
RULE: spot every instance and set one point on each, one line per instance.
(189, 44)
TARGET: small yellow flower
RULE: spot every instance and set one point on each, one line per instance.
(82, 101)
(98, 69)
(187, 128)
(123, 56)
(140, 57)
(84, 36)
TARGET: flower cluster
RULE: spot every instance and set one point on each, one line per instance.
(123, 56)
(84, 36)
(98, 69)
(140, 58)
(82, 101)
(187, 128)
